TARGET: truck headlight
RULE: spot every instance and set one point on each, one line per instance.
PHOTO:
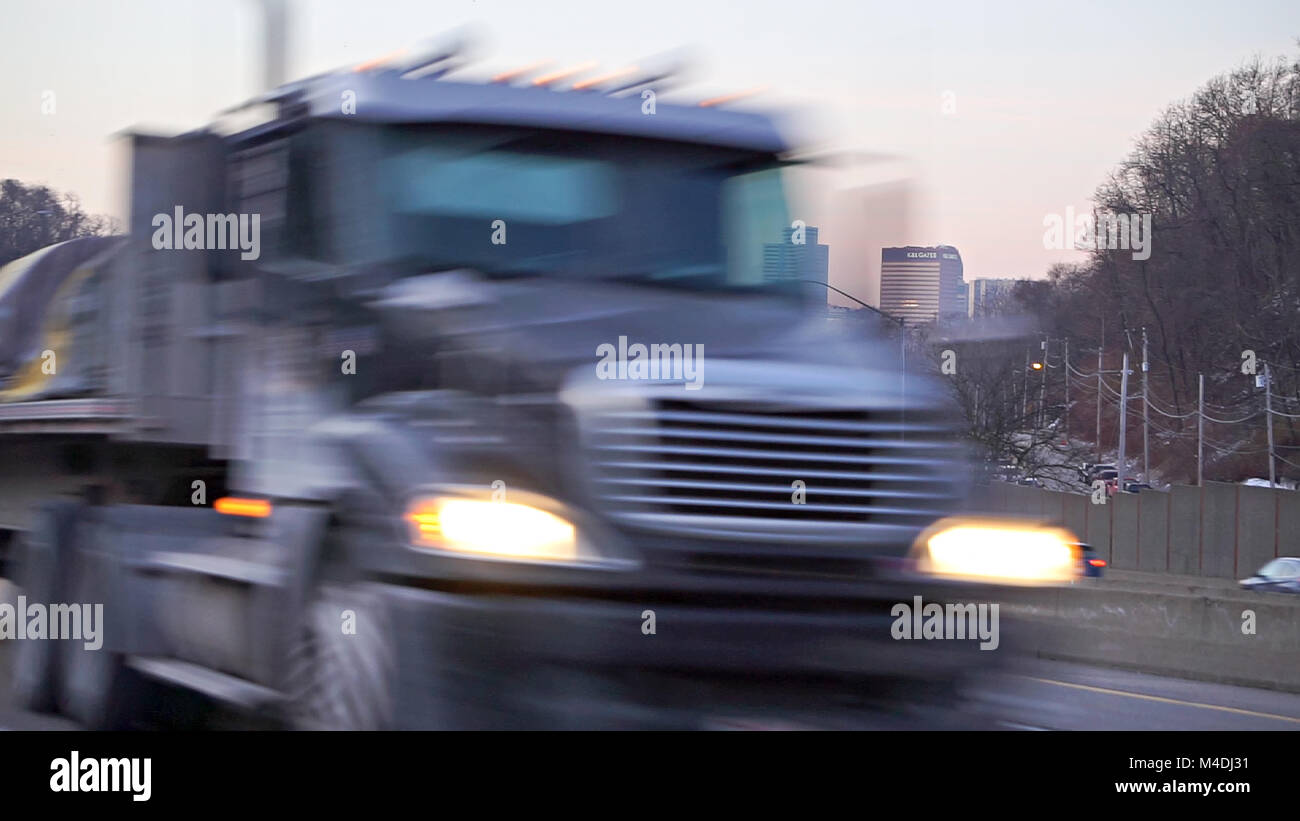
(998, 550)
(466, 521)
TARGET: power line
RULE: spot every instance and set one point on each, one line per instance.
(1155, 408)
(1231, 421)
(1104, 394)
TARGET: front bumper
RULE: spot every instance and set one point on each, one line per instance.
(498, 659)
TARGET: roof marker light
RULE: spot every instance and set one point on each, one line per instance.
(371, 65)
(522, 71)
(729, 98)
(604, 78)
(547, 79)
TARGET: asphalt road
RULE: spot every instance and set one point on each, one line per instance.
(1031, 694)
(1048, 695)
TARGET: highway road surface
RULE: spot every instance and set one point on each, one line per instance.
(1030, 694)
(1039, 695)
(1052, 695)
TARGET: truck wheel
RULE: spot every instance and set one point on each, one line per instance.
(342, 663)
(40, 575)
(96, 690)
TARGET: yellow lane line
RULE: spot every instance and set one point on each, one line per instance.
(1163, 700)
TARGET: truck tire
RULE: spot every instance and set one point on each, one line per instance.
(342, 661)
(40, 572)
(96, 689)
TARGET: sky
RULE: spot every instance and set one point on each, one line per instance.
(993, 115)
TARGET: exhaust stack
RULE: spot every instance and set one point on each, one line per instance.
(274, 33)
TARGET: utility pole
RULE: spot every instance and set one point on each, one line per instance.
(1146, 448)
(1024, 388)
(1067, 390)
(1123, 421)
(1200, 428)
(274, 30)
(1042, 387)
(1098, 439)
(1268, 413)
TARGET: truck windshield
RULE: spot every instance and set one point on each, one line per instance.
(580, 206)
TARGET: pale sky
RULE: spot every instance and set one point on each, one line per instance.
(1048, 96)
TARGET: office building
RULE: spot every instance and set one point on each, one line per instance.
(921, 284)
(791, 260)
(988, 296)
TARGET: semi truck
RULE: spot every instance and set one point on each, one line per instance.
(358, 427)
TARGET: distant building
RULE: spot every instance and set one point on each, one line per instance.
(921, 284)
(787, 261)
(986, 296)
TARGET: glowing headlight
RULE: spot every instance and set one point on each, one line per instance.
(484, 527)
(998, 551)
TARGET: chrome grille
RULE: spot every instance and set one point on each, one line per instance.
(732, 467)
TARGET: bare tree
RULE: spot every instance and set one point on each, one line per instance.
(1219, 175)
(33, 216)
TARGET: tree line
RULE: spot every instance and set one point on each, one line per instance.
(1219, 175)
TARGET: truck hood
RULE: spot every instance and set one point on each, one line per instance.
(531, 335)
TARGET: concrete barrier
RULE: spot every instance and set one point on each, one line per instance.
(1170, 605)
(1232, 637)
(1256, 529)
(1220, 530)
(1097, 533)
(1184, 534)
(1124, 530)
(1152, 531)
(1075, 513)
(1288, 528)
(1218, 548)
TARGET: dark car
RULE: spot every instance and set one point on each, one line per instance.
(1091, 563)
(1131, 485)
(1099, 471)
(1280, 575)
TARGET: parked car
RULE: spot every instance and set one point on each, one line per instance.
(1281, 575)
(1131, 485)
(1093, 472)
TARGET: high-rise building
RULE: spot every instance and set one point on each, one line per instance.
(921, 284)
(791, 260)
(986, 296)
